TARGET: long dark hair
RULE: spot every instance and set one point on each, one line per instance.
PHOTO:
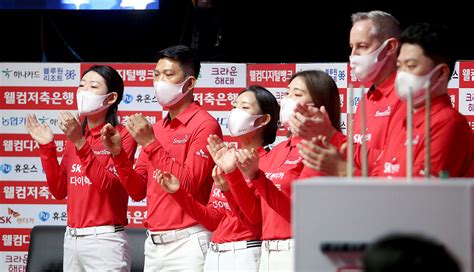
(114, 83)
(324, 92)
(268, 105)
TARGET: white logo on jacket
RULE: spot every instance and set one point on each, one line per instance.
(358, 138)
(391, 168)
(383, 113)
(293, 161)
(181, 141)
(101, 152)
(415, 140)
(202, 154)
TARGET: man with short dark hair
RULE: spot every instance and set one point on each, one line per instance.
(175, 144)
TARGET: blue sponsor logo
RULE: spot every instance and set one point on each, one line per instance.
(127, 99)
(222, 121)
(6, 168)
(44, 216)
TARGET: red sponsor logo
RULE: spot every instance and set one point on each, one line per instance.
(270, 75)
(470, 121)
(51, 98)
(216, 99)
(133, 74)
(136, 215)
(27, 192)
(466, 74)
(454, 96)
(352, 79)
(14, 239)
(23, 145)
(343, 99)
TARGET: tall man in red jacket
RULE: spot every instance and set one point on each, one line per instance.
(374, 42)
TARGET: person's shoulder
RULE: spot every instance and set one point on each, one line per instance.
(205, 117)
(449, 115)
(449, 120)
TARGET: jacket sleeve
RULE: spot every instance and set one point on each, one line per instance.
(208, 216)
(246, 198)
(255, 228)
(133, 180)
(56, 174)
(278, 200)
(104, 176)
(450, 150)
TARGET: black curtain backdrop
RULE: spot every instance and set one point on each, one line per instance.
(232, 31)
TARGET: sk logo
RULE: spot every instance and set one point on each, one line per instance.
(13, 213)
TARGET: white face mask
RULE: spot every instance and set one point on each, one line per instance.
(242, 122)
(89, 103)
(287, 109)
(366, 67)
(406, 83)
(169, 94)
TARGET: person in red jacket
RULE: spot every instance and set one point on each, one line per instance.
(374, 47)
(236, 241)
(426, 55)
(176, 144)
(274, 174)
(96, 200)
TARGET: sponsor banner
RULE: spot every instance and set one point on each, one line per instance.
(14, 239)
(28, 216)
(27, 192)
(270, 75)
(279, 93)
(352, 79)
(466, 101)
(14, 121)
(133, 74)
(216, 99)
(344, 123)
(466, 74)
(222, 118)
(39, 74)
(13, 261)
(470, 121)
(343, 99)
(338, 71)
(139, 99)
(136, 216)
(51, 98)
(222, 75)
(151, 116)
(131, 202)
(23, 145)
(454, 81)
(356, 96)
(22, 169)
(454, 96)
